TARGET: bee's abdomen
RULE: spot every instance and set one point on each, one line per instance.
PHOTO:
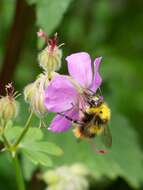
(87, 132)
(87, 118)
(100, 121)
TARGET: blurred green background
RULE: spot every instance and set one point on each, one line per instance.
(112, 29)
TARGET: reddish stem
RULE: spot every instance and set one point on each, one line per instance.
(24, 15)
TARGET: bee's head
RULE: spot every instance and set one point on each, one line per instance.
(98, 107)
(103, 111)
(95, 101)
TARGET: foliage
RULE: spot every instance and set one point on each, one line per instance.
(50, 13)
(35, 148)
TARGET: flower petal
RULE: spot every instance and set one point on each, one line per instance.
(60, 94)
(79, 67)
(61, 124)
(97, 80)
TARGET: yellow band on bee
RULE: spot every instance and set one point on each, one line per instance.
(91, 110)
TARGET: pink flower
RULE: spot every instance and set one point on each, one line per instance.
(66, 94)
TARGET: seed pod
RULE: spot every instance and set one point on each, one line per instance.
(50, 59)
(8, 108)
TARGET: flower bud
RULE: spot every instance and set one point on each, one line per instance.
(8, 108)
(50, 59)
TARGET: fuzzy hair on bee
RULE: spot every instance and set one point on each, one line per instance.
(95, 118)
(94, 121)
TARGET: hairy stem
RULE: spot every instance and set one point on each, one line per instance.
(18, 172)
(7, 144)
(26, 127)
(15, 40)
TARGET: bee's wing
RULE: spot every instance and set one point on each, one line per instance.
(106, 136)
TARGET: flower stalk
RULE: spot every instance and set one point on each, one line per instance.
(26, 127)
(12, 148)
(18, 172)
(7, 144)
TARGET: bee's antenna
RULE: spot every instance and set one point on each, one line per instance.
(100, 91)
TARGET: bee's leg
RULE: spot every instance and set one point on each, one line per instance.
(91, 91)
(94, 93)
(99, 89)
(70, 119)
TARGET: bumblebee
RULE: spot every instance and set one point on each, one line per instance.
(94, 121)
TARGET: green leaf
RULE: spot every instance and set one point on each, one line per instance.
(28, 169)
(30, 2)
(7, 177)
(38, 157)
(12, 133)
(37, 151)
(9, 124)
(43, 146)
(30, 156)
(33, 145)
(50, 13)
(33, 134)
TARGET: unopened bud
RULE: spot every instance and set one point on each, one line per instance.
(50, 60)
(8, 108)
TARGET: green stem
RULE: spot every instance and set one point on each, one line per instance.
(18, 172)
(42, 124)
(7, 144)
(26, 127)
